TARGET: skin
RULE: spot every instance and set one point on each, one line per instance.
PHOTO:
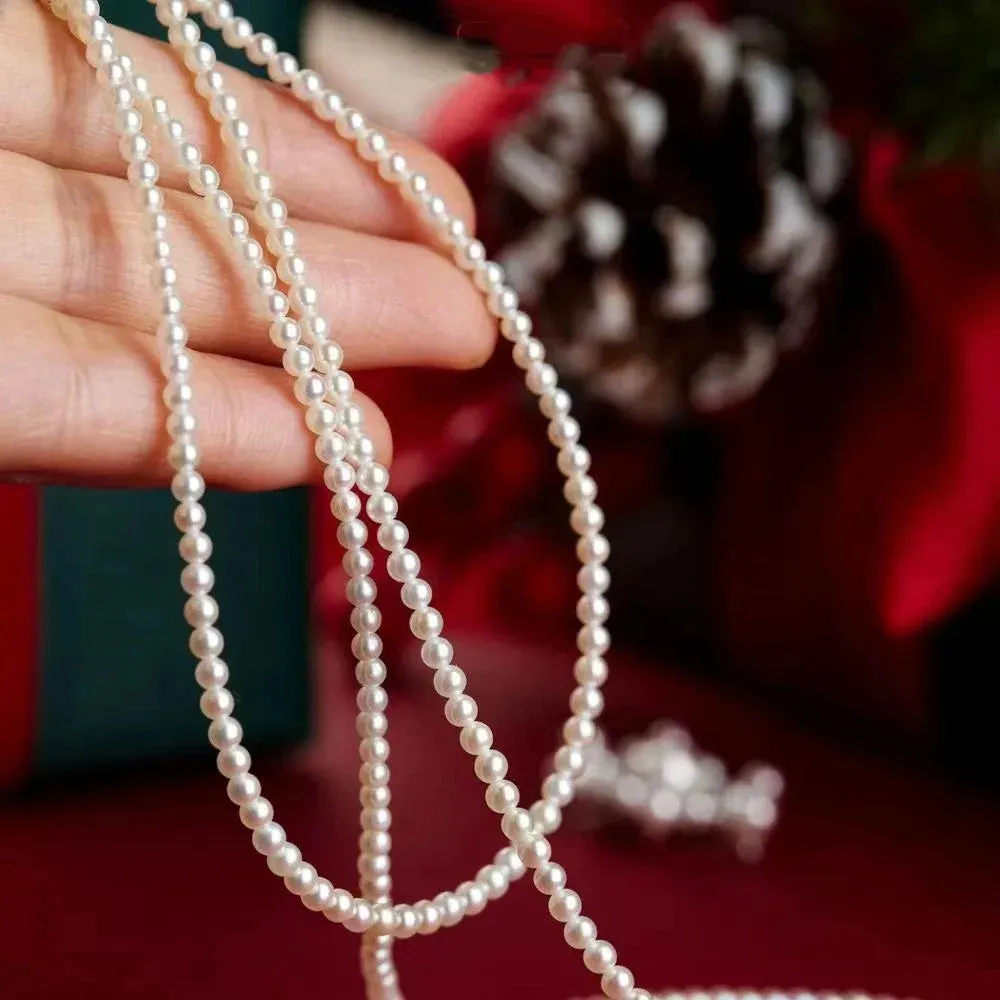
(80, 387)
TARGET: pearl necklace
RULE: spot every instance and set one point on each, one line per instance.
(313, 360)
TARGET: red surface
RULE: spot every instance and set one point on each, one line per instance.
(861, 487)
(875, 878)
(19, 628)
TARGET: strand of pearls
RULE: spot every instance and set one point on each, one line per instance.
(728, 994)
(357, 483)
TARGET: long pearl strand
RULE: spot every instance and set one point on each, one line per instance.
(358, 483)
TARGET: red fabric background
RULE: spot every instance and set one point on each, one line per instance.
(19, 629)
(875, 879)
(861, 499)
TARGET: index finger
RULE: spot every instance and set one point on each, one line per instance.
(52, 110)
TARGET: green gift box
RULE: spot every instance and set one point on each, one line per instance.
(97, 671)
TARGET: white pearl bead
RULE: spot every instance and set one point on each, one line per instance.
(145, 173)
(350, 124)
(365, 619)
(475, 898)
(552, 404)
(593, 639)
(403, 565)
(256, 813)
(212, 672)
(200, 57)
(269, 838)
(216, 13)
(261, 48)
(452, 907)
(338, 475)
(430, 917)
(617, 983)
(206, 641)
(460, 711)
(547, 816)
(436, 652)
(528, 352)
(216, 702)
(367, 645)
(361, 590)
(394, 169)
(169, 12)
(426, 623)
(417, 188)
(353, 534)
(393, 535)
(328, 106)
(372, 672)
(237, 32)
(579, 932)
(382, 507)
(187, 486)
(507, 858)
(374, 774)
(284, 860)
(307, 85)
(329, 356)
(373, 145)
(549, 878)
(128, 122)
(225, 733)
(373, 477)
(502, 797)
(282, 68)
(502, 301)
(593, 609)
(518, 826)
(593, 579)
(579, 731)
(535, 852)
(449, 681)
(362, 918)
(233, 761)
(200, 610)
(564, 904)
(375, 842)
(476, 737)
(599, 956)
(195, 546)
(319, 897)
(490, 276)
(491, 766)
(563, 431)
(302, 879)
(209, 83)
(376, 818)
(341, 906)
(435, 210)
(494, 881)
(593, 548)
(570, 760)
(243, 788)
(134, 146)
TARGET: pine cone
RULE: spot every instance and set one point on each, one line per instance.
(669, 224)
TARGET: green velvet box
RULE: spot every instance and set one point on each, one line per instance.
(116, 676)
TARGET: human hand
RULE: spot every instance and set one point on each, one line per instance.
(80, 386)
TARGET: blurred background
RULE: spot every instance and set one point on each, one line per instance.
(767, 269)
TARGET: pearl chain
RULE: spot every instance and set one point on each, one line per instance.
(358, 483)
